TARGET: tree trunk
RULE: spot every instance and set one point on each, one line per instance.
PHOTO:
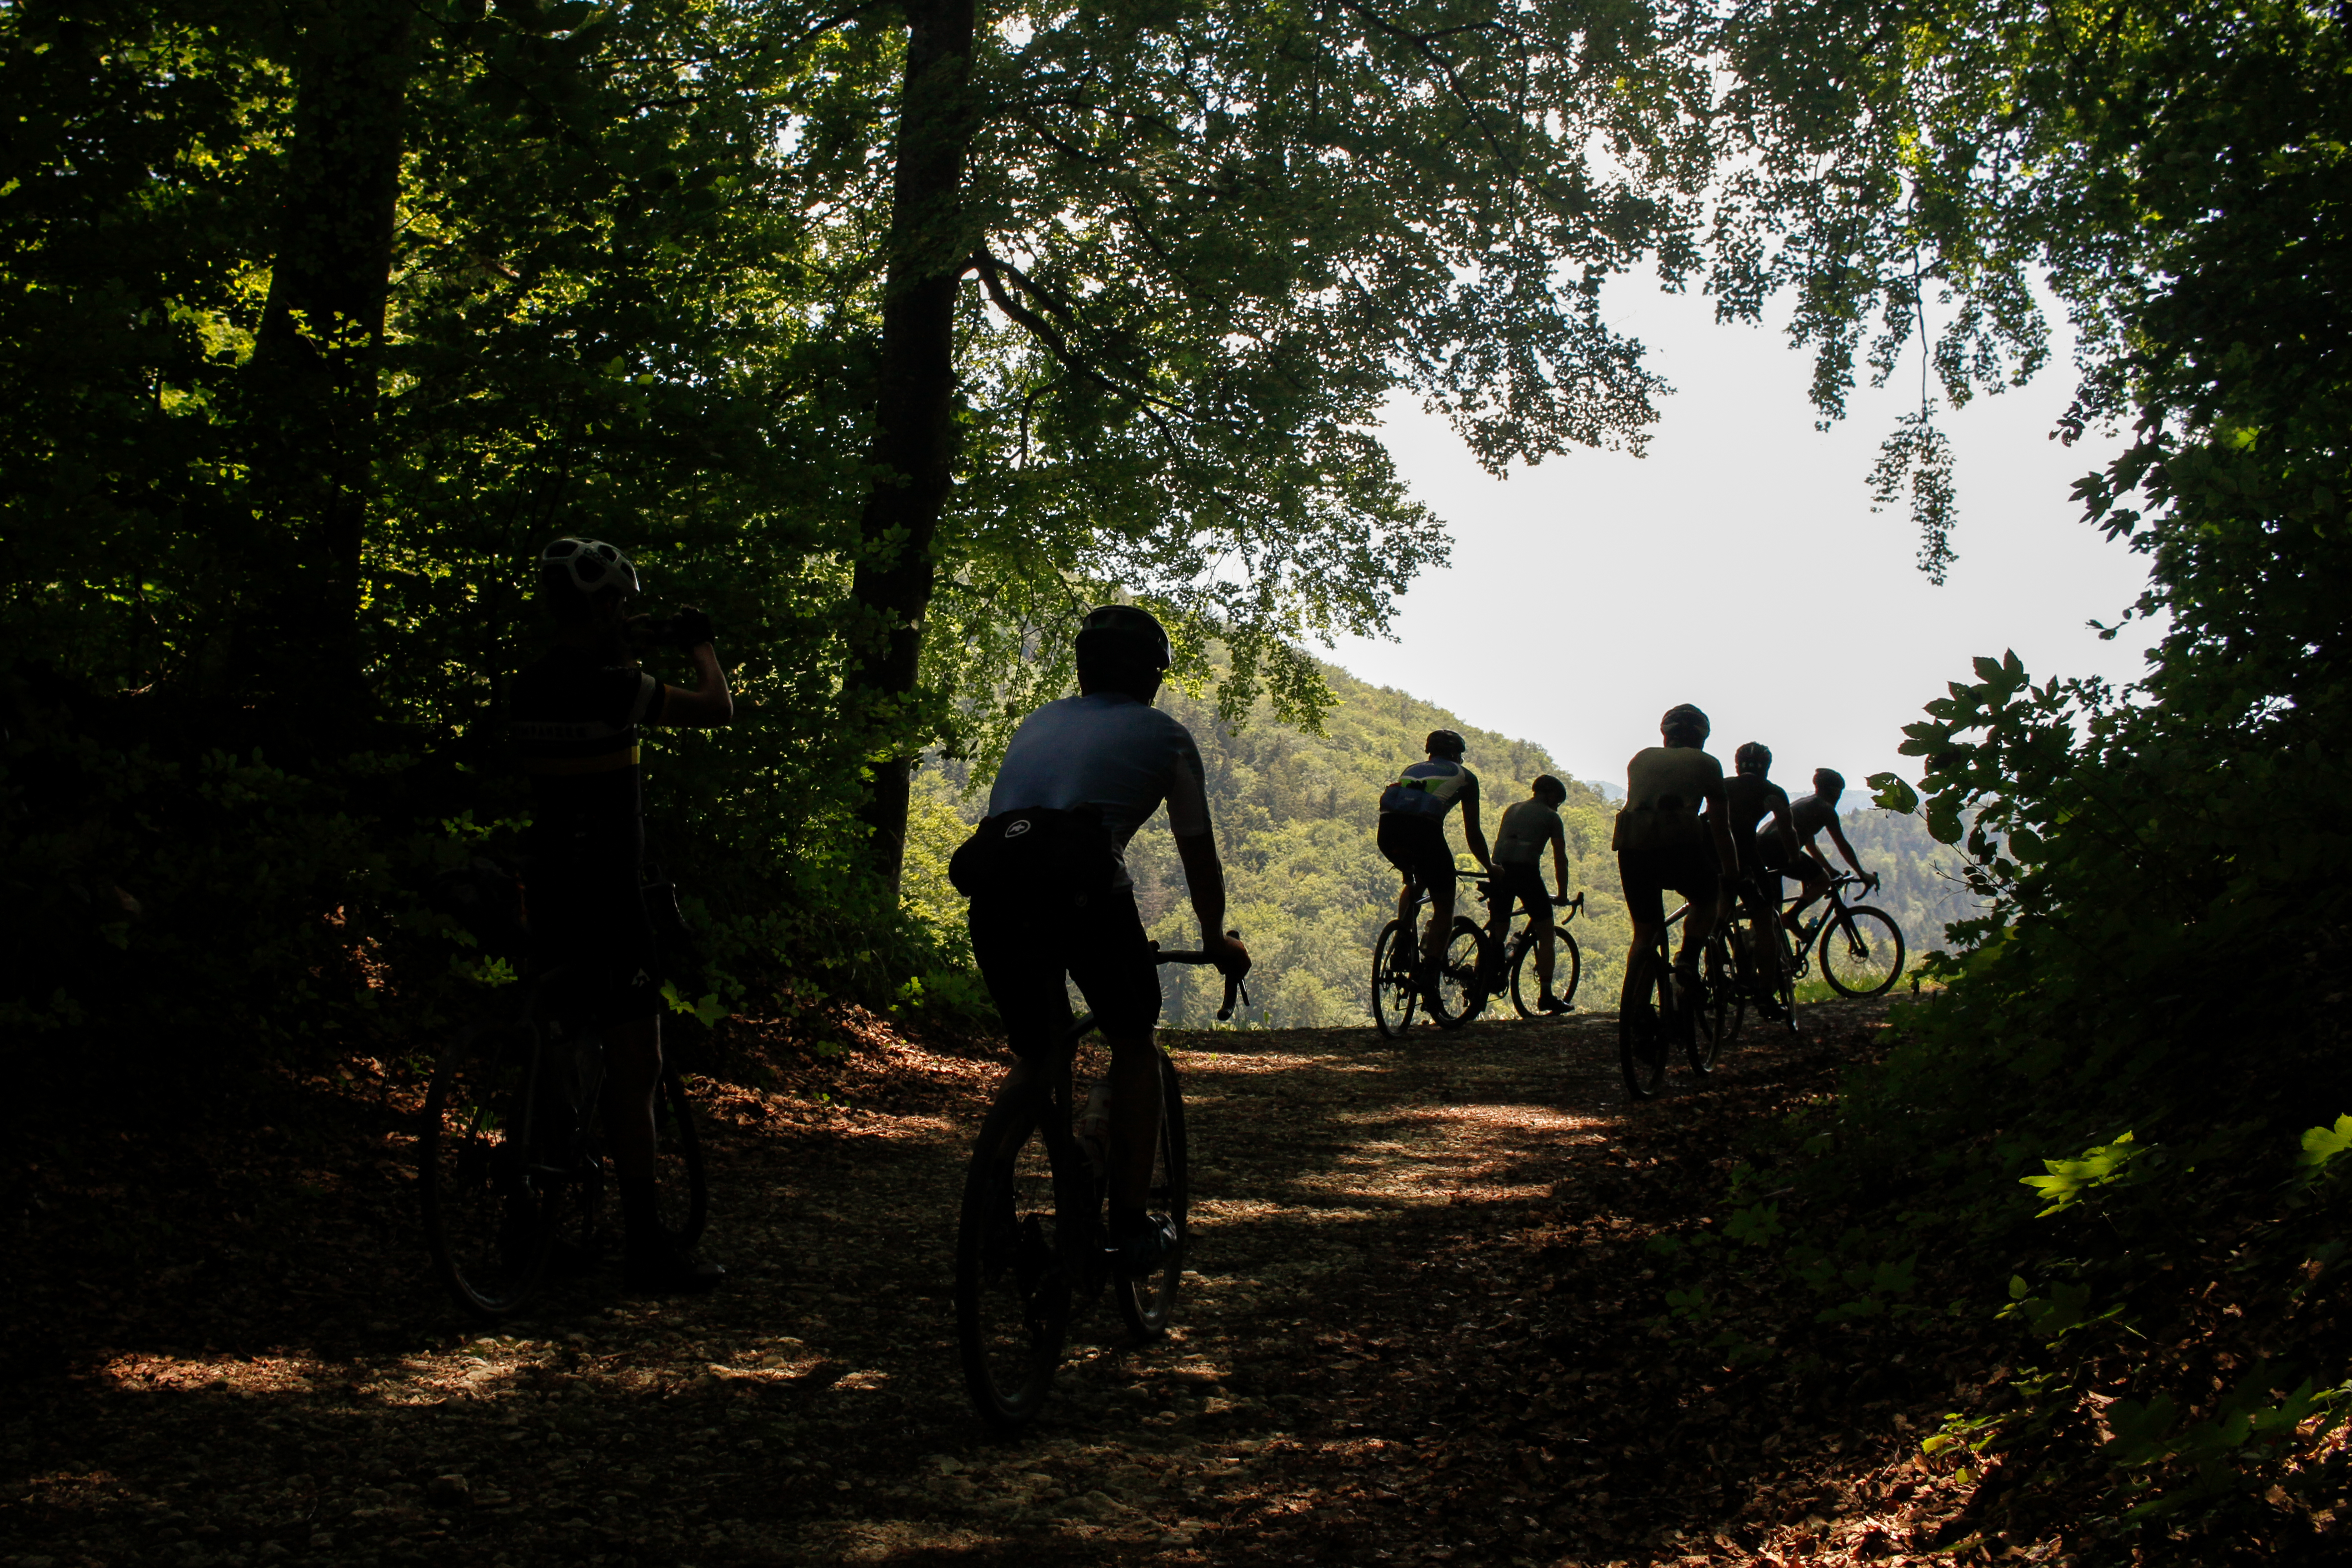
(930, 243)
(315, 369)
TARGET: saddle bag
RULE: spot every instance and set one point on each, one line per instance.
(1037, 851)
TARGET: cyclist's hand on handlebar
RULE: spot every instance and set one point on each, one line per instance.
(1226, 952)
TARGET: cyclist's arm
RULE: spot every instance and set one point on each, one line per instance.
(1560, 858)
(1784, 824)
(1472, 833)
(708, 702)
(1196, 847)
(1837, 834)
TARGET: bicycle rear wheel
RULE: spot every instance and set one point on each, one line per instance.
(1862, 955)
(488, 1217)
(1147, 1302)
(1012, 1289)
(1566, 968)
(1645, 1023)
(1394, 995)
(678, 1182)
(1460, 994)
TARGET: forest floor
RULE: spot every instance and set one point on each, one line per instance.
(1426, 1320)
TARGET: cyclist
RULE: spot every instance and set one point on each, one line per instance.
(1046, 873)
(1809, 815)
(1526, 827)
(576, 717)
(1672, 834)
(1750, 796)
(1412, 836)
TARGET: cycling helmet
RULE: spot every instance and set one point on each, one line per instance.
(584, 567)
(1444, 743)
(1549, 787)
(1685, 716)
(1753, 757)
(1138, 630)
(1828, 782)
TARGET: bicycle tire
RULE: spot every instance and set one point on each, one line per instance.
(1854, 961)
(1711, 1019)
(1394, 994)
(1567, 964)
(1459, 993)
(1645, 1024)
(488, 1224)
(1012, 1283)
(679, 1187)
(1147, 1303)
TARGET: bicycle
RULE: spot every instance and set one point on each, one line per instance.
(1860, 947)
(1761, 961)
(1700, 1016)
(1471, 971)
(1030, 1235)
(511, 1155)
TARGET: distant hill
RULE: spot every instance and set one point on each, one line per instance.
(1309, 888)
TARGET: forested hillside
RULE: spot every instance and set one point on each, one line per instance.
(1295, 814)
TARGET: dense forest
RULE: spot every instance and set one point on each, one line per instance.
(894, 335)
(1296, 813)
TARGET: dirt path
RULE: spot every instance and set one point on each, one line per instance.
(1371, 1362)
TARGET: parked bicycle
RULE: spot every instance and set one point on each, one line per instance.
(1032, 1239)
(510, 1155)
(1474, 967)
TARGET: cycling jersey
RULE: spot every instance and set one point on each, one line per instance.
(1812, 814)
(1106, 750)
(1749, 804)
(1527, 828)
(1665, 788)
(1428, 789)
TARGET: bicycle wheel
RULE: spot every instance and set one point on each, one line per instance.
(1715, 1018)
(488, 1217)
(679, 1184)
(1394, 995)
(1645, 1022)
(1461, 989)
(1147, 1303)
(1861, 953)
(1011, 1290)
(1566, 968)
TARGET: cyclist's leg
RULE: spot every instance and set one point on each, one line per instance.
(1645, 905)
(1698, 879)
(1113, 962)
(1439, 881)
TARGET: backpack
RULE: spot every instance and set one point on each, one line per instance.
(1037, 851)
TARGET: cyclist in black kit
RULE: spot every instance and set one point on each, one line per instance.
(1051, 897)
(575, 718)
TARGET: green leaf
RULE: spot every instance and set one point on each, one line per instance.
(1893, 794)
(2321, 1145)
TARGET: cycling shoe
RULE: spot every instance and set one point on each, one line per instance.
(1146, 1247)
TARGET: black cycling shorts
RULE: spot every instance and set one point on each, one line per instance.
(1025, 944)
(1647, 874)
(1522, 885)
(596, 928)
(1416, 846)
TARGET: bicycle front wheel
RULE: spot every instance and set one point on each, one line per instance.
(1147, 1303)
(1645, 1022)
(488, 1216)
(1394, 994)
(1011, 1290)
(1461, 990)
(1861, 953)
(1566, 968)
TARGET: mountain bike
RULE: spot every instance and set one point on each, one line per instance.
(1698, 1012)
(511, 1155)
(1032, 1236)
(1860, 947)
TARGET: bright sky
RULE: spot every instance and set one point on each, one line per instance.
(1738, 566)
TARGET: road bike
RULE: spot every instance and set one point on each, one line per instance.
(1860, 948)
(1472, 970)
(511, 1155)
(1032, 1237)
(1697, 1011)
(1761, 960)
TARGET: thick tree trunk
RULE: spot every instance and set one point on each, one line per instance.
(315, 369)
(930, 243)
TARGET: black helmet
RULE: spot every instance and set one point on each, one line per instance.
(1828, 782)
(1137, 630)
(1549, 787)
(572, 568)
(1753, 757)
(1444, 743)
(1685, 716)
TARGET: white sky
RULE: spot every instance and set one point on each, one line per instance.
(1738, 566)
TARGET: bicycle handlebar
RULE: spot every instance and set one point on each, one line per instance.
(1233, 985)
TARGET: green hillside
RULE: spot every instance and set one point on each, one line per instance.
(1294, 816)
